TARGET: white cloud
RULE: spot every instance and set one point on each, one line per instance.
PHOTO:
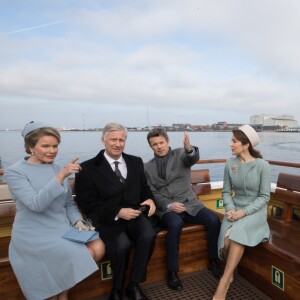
(230, 59)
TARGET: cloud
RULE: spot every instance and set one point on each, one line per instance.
(228, 59)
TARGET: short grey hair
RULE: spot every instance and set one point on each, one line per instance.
(113, 126)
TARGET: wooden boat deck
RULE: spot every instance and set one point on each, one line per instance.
(200, 285)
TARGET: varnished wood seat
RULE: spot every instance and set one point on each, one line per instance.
(4, 192)
(285, 238)
(200, 180)
(287, 196)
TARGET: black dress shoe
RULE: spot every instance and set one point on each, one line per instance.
(115, 295)
(215, 268)
(174, 282)
(135, 293)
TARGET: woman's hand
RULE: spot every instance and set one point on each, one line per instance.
(83, 226)
(234, 215)
(239, 214)
(71, 168)
(229, 215)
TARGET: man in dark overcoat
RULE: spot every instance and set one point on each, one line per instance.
(110, 189)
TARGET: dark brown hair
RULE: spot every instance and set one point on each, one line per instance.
(157, 132)
(241, 136)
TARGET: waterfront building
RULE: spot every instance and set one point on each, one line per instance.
(223, 125)
(271, 122)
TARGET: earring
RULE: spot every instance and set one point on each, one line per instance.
(31, 153)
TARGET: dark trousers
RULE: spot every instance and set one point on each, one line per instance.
(140, 235)
(174, 223)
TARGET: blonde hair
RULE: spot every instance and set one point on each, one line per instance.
(33, 137)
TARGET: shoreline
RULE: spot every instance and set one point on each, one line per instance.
(168, 130)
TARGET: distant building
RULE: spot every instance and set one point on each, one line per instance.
(180, 126)
(233, 125)
(270, 122)
(198, 127)
(223, 125)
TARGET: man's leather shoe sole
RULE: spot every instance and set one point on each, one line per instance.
(174, 282)
(216, 270)
(175, 286)
(135, 293)
(115, 295)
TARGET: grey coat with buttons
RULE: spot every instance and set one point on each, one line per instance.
(177, 186)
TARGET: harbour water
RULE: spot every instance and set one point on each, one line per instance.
(213, 145)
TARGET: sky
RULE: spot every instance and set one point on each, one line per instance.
(82, 64)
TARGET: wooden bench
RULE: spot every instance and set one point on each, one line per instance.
(192, 253)
(200, 180)
(264, 264)
(286, 198)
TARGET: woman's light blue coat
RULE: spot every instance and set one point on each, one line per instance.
(250, 182)
(44, 263)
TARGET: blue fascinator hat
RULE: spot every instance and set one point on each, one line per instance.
(31, 126)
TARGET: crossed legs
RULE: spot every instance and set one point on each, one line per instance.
(233, 253)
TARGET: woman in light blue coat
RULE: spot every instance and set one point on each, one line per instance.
(246, 193)
(47, 265)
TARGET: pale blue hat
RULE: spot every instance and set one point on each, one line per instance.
(31, 126)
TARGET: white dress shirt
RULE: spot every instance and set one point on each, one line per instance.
(122, 165)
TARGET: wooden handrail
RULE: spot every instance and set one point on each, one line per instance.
(283, 163)
(211, 161)
(271, 162)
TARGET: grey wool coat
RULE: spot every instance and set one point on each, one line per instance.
(251, 185)
(177, 186)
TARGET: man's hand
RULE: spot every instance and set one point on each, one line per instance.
(186, 142)
(128, 213)
(177, 207)
(151, 205)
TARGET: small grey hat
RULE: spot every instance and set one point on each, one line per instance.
(31, 126)
(251, 134)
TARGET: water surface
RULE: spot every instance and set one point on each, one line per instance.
(273, 146)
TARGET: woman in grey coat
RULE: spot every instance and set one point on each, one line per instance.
(47, 265)
(246, 193)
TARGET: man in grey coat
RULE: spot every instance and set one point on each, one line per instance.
(169, 177)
